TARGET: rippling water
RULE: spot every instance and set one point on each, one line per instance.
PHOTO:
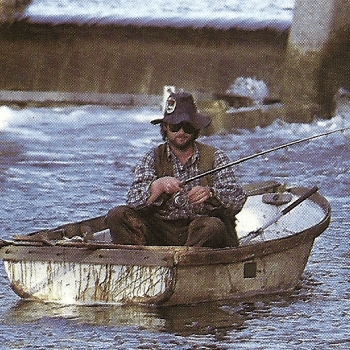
(65, 164)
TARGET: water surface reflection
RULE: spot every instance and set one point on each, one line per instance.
(218, 319)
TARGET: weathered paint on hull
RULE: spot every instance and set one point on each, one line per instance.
(72, 283)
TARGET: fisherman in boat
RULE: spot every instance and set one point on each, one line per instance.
(160, 209)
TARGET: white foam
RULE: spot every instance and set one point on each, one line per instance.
(226, 14)
(6, 116)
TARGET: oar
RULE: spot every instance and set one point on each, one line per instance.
(5, 242)
(42, 241)
(246, 239)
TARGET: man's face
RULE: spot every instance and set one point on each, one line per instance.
(181, 135)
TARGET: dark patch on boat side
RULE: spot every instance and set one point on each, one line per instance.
(277, 198)
(250, 270)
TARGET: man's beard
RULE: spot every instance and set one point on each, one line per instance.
(185, 146)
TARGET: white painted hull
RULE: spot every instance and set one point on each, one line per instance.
(75, 283)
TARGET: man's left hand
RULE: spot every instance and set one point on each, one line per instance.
(199, 194)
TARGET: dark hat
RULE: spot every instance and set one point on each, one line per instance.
(180, 107)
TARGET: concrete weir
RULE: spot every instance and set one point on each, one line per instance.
(135, 60)
(44, 98)
(303, 66)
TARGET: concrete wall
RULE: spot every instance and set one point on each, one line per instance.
(10, 10)
(136, 60)
(304, 68)
(317, 58)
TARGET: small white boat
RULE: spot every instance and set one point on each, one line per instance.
(76, 263)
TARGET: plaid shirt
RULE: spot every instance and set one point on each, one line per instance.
(228, 193)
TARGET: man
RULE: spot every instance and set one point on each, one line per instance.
(160, 209)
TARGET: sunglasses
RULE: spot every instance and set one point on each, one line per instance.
(186, 127)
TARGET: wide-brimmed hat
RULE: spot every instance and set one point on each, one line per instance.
(180, 107)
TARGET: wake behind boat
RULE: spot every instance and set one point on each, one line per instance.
(76, 263)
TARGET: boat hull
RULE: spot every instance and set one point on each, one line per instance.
(181, 277)
(256, 276)
(93, 273)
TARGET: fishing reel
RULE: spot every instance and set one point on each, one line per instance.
(180, 199)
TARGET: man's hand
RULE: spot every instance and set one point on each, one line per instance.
(166, 184)
(199, 194)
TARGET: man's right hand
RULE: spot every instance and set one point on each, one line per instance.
(166, 184)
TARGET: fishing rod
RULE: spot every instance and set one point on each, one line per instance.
(209, 172)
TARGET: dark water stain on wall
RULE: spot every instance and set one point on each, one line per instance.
(133, 59)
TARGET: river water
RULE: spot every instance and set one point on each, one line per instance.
(59, 165)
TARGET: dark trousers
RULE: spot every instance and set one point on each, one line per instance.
(129, 226)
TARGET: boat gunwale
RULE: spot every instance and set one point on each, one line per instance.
(101, 253)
